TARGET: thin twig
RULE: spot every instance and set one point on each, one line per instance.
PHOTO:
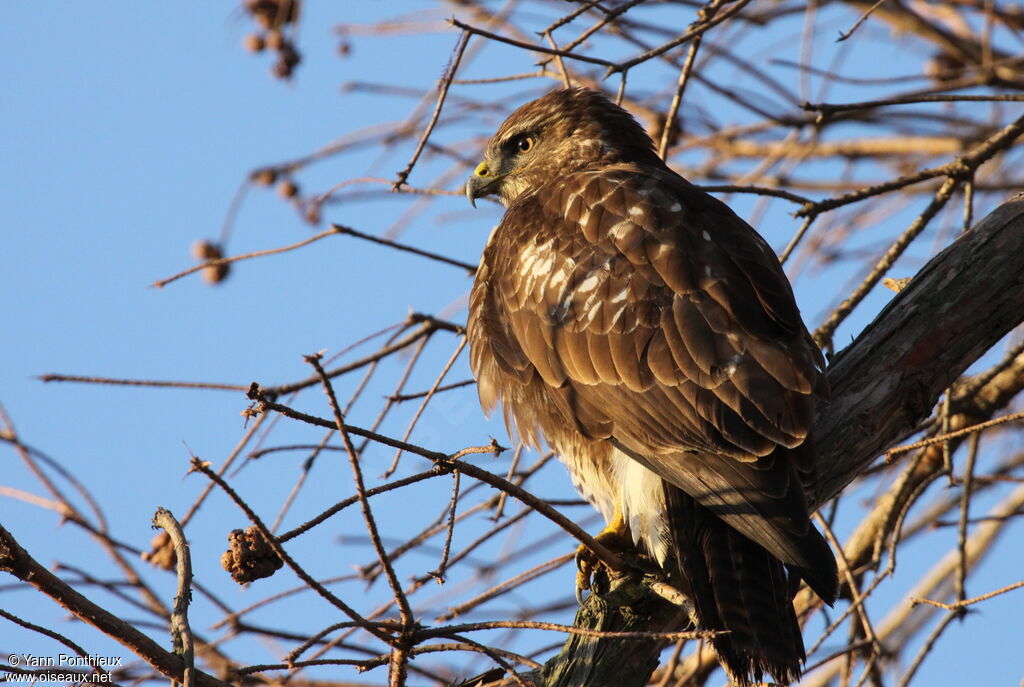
(246, 256)
(960, 581)
(529, 46)
(843, 35)
(891, 453)
(438, 573)
(693, 32)
(401, 398)
(969, 602)
(756, 190)
(795, 241)
(181, 633)
(442, 93)
(506, 586)
(962, 167)
(471, 269)
(342, 505)
(824, 333)
(364, 502)
(562, 21)
(609, 17)
(684, 78)
(566, 81)
(141, 382)
(926, 648)
(426, 400)
(829, 108)
(428, 325)
(568, 629)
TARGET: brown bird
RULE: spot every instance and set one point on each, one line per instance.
(651, 338)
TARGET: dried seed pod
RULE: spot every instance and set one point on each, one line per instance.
(254, 42)
(287, 188)
(161, 553)
(312, 213)
(204, 250)
(272, 13)
(264, 177)
(249, 557)
(281, 70)
(289, 55)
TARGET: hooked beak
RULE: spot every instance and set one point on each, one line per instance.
(483, 182)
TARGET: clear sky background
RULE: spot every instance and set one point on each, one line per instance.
(125, 130)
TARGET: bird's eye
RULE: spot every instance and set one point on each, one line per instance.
(524, 144)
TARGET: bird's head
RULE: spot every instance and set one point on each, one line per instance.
(560, 133)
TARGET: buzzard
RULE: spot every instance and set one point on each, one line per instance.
(651, 338)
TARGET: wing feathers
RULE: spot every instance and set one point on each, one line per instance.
(573, 347)
(662, 362)
(781, 367)
(694, 332)
(628, 363)
(601, 356)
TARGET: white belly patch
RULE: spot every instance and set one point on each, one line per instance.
(643, 505)
(627, 486)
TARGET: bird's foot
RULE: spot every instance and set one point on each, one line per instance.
(589, 567)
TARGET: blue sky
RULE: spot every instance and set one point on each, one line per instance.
(126, 130)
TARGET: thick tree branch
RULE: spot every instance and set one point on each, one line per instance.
(886, 382)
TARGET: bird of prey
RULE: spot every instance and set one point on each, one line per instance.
(650, 337)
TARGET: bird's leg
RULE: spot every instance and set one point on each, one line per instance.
(615, 536)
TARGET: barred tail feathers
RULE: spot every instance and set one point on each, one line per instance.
(738, 587)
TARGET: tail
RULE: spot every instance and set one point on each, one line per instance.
(738, 587)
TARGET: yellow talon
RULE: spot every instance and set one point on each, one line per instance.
(615, 536)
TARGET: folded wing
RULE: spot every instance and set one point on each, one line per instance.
(660, 320)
